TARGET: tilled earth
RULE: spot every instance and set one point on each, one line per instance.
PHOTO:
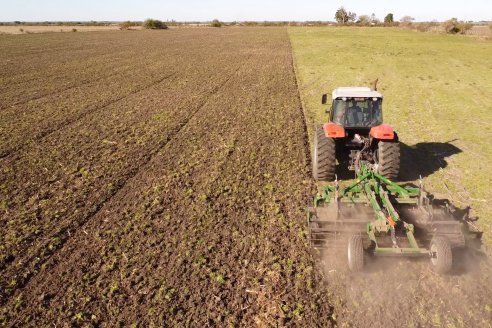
(154, 178)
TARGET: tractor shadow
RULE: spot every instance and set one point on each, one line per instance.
(420, 160)
(425, 158)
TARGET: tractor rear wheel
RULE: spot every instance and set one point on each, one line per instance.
(355, 253)
(324, 156)
(389, 159)
(442, 256)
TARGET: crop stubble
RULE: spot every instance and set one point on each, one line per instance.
(178, 201)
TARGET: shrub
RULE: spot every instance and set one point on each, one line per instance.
(21, 30)
(364, 20)
(425, 26)
(453, 26)
(216, 23)
(74, 30)
(126, 25)
(154, 24)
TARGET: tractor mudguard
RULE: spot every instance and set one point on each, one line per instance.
(382, 132)
(333, 130)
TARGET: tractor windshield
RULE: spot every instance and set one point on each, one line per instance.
(357, 112)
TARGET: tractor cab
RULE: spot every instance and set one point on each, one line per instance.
(355, 134)
(355, 107)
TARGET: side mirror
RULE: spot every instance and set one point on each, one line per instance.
(324, 98)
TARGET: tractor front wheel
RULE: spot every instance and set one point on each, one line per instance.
(442, 256)
(355, 253)
(324, 156)
(388, 155)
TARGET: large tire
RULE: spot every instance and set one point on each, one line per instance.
(389, 159)
(324, 156)
(442, 259)
(355, 253)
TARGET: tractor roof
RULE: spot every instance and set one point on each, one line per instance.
(362, 92)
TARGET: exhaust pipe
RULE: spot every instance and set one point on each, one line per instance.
(375, 85)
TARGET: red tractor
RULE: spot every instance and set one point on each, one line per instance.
(355, 134)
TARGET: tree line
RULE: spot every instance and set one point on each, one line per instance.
(451, 26)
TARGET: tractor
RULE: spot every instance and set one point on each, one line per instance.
(374, 216)
(355, 132)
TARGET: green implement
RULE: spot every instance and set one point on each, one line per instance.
(375, 216)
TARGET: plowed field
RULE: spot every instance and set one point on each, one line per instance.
(154, 178)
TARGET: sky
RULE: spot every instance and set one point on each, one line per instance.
(238, 10)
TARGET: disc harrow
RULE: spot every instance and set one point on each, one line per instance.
(375, 216)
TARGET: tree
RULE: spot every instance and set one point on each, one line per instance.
(216, 23)
(344, 17)
(154, 24)
(374, 19)
(351, 17)
(388, 19)
(407, 20)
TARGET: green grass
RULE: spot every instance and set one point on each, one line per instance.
(437, 88)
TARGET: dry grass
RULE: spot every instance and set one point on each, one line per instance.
(481, 31)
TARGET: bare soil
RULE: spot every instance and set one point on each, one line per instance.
(21, 29)
(155, 178)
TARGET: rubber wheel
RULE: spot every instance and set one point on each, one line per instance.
(324, 156)
(389, 159)
(442, 259)
(355, 253)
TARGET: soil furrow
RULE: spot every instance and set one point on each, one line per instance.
(66, 67)
(39, 255)
(61, 90)
(67, 123)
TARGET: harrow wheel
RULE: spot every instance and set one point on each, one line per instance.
(355, 253)
(442, 256)
(324, 156)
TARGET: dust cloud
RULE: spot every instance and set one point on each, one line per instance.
(393, 292)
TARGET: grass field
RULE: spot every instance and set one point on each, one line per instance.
(438, 96)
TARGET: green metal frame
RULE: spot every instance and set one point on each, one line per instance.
(375, 190)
